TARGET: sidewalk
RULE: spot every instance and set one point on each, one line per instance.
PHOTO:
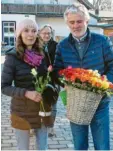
(62, 140)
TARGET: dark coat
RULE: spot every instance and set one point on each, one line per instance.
(97, 56)
(24, 112)
(50, 57)
(51, 51)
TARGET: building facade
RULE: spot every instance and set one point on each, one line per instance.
(42, 11)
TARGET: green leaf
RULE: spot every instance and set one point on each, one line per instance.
(38, 89)
(40, 80)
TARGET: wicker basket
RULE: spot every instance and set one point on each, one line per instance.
(81, 105)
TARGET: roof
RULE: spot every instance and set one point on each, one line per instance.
(86, 3)
(102, 25)
(103, 14)
(102, 17)
(95, 16)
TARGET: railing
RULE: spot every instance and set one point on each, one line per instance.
(51, 10)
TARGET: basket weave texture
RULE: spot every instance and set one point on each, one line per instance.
(81, 105)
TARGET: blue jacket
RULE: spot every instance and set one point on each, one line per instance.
(97, 56)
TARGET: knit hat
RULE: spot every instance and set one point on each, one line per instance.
(25, 23)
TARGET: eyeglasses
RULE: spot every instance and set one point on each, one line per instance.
(46, 34)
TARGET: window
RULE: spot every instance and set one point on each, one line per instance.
(8, 32)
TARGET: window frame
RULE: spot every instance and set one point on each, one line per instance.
(3, 26)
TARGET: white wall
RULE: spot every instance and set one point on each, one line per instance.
(15, 17)
(104, 13)
(64, 2)
(97, 30)
(57, 24)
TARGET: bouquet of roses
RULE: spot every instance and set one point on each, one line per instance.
(86, 80)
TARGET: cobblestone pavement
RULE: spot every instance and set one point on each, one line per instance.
(62, 140)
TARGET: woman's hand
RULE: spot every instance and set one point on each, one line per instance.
(33, 95)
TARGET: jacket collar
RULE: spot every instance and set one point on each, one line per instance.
(82, 38)
(71, 39)
(11, 51)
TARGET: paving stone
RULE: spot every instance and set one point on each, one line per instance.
(9, 148)
(57, 146)
(68, 138)
(62, 140)
(65, 142)
(6, 145)
(58, 138)
(53, 142)
(70, 145)
(6, 137)
(8, 141)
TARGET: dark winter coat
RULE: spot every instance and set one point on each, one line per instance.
(24, 112)
(51, 52)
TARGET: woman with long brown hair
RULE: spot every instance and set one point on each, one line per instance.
(25, 102)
